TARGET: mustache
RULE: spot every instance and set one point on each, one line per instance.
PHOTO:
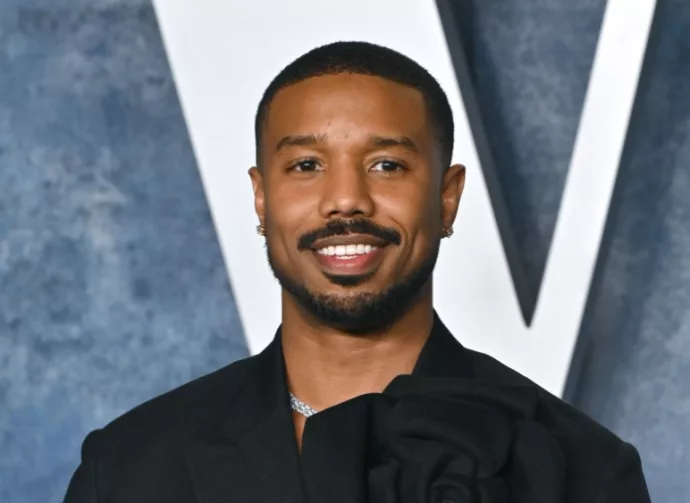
(346, 227)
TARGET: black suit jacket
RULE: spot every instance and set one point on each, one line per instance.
(229, 437)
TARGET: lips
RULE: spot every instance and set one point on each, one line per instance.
(354, 254)
(349, 239)
(353, 265)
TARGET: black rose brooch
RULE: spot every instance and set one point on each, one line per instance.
(428, 440)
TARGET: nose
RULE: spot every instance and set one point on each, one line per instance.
(346, 192)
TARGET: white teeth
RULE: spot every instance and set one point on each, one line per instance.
(346, 251)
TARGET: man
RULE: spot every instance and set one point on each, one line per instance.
(354, 191)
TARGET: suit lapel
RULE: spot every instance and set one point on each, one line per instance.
(252, 455)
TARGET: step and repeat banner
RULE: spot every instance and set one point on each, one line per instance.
(129, 261)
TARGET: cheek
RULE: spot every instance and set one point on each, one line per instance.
(415, 207)
(287, 213)
(417, 214)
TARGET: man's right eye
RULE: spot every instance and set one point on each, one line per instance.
(306, 165)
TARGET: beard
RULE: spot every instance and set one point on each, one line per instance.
(359, 312)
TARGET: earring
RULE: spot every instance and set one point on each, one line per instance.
(447, 232)
(261, 230)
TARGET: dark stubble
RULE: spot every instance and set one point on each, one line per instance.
(357, 312)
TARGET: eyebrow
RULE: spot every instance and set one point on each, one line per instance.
(302, 140)
(394, 141)
(299, 140)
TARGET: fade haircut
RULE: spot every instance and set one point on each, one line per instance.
(364, 58)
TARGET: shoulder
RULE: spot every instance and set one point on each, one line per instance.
(144, 448)
(175, 416)
(558, 415)
(593, 454)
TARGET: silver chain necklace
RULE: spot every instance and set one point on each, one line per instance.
(300, 407)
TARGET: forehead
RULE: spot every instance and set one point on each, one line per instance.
(347, 104)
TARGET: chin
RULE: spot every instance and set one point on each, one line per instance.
(349, 281)
(357, 304)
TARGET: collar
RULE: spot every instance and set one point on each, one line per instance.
(252, 454)
(442, 355)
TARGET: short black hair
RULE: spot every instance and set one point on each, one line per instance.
(365, 58)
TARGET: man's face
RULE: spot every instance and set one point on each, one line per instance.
(353, 197)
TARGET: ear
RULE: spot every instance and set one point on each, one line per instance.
(258, 186)
(451, 191)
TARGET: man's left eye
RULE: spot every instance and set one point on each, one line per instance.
(387, 166)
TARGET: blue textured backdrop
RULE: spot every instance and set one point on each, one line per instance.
(636, 337)
(112, 286)
(530, 62)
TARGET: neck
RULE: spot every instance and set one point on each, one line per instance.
(326, 366)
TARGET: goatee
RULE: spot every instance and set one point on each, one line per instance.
(359, 312)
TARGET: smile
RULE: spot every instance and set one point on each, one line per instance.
(349, 259)
(346, 252)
